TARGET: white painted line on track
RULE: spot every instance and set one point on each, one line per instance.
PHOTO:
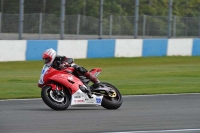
(161, 95)
(122, 96)
(160, 131)
(20, 99)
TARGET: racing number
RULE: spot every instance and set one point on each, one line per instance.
(98, 100)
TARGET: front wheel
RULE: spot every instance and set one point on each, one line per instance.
(113, 101)
(56, 101)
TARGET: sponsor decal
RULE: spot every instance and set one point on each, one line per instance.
(43, 71)
(70, 78)
(98, 100)
(91, 102)
(79, 101)
(77, 96)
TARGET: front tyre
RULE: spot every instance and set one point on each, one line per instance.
(113, 101)
(53, 100)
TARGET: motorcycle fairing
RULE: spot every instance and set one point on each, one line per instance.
(81, 99)
(68, 80)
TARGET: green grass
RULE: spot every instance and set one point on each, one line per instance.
(132, 76)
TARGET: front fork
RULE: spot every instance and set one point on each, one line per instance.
(57, 90)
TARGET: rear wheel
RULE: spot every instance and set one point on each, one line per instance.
(114, 100)
(55, 100)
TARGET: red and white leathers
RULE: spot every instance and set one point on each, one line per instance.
(78, 70)
(61, 62)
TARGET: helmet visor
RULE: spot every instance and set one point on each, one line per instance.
(46, 60)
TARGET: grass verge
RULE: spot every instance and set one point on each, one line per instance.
(132, 76)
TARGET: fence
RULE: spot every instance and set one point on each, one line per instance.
(47, 26)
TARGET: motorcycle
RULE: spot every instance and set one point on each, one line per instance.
(62, 89)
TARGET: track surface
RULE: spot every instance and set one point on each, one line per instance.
(162, 113)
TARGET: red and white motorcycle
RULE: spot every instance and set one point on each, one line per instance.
(60, 89)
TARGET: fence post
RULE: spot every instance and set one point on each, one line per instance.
(78, 26)
(110, 29)
(62, 19)
(0, 20)
(40, 25)
(174, 27)
(136, 19)
(199, 27)
(120, 25)
(100, 18)
(21, 18)
(144, 25)
(170, 18)
(2, 6)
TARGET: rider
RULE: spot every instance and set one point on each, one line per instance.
(58, 62)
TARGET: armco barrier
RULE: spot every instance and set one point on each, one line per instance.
(100, 48)
(35, 49)
(154, 47)
(12, 50)
(179, 47)
(21, 50)
(196, 47)
(73, 48)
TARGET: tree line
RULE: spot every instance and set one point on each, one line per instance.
(185, 8)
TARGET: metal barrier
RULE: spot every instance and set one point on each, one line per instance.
(47, 26)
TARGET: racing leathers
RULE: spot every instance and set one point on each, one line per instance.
(61, 62)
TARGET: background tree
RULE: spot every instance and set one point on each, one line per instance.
(184, 8)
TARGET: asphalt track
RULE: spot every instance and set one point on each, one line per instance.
(138, 114)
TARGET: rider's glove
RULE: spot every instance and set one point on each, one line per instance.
(64, 65)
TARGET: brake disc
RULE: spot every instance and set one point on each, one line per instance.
(55, 98)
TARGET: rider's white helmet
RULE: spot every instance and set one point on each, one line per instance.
(48, 56)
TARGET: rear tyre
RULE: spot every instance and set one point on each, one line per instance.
(53, 100)
(114, 101)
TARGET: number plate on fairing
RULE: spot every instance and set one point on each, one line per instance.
(44, 70)
(81, 99)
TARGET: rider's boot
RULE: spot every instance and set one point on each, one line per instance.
(93, 79)
(87, 90)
